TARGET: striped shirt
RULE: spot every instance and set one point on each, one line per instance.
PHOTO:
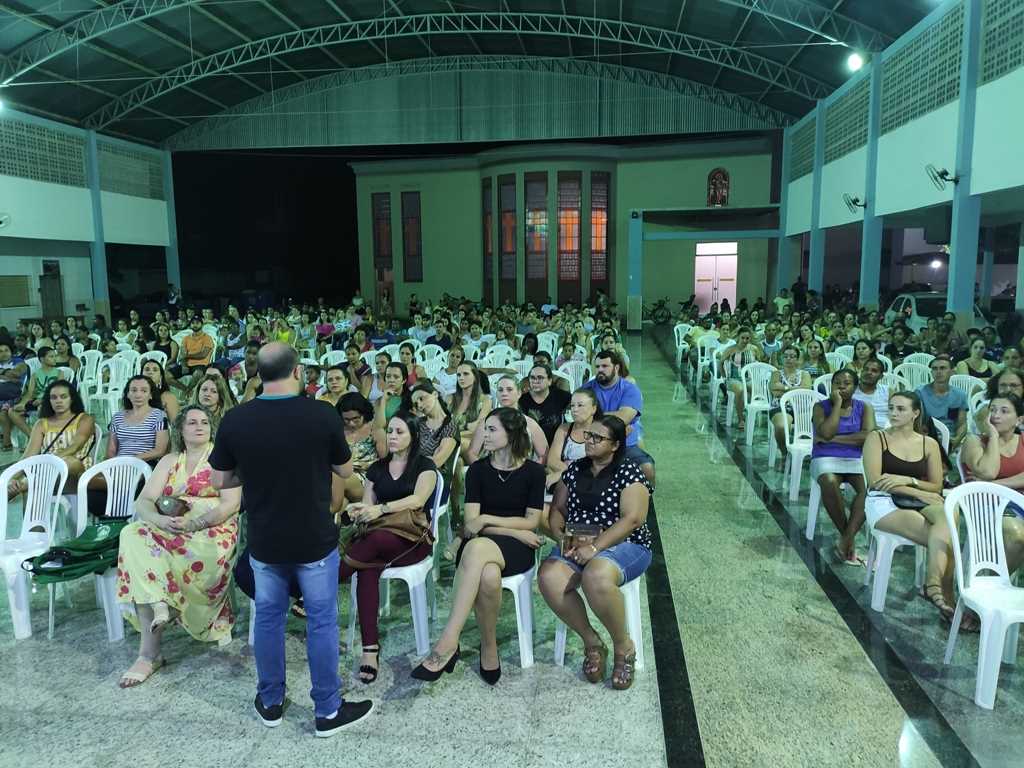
(133, 439)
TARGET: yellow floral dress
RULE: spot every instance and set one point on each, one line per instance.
(190, 572)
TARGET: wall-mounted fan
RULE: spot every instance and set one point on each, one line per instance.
(853, 203)
(5, 220)
(940, 176)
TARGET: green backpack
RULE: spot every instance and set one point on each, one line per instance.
(95, 551)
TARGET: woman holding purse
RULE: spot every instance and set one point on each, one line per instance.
(903, 469)
(174, 562)
(392, 526)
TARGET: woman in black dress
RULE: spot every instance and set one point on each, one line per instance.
(504, 498)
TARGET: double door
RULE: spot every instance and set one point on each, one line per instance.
(714, 279)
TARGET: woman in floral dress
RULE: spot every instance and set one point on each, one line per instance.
(179, 567)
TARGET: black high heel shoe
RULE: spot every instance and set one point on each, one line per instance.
(422, 673)
(490, 676)
(366, 669)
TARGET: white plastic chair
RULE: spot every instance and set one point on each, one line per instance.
(718, 377)
(998, 603)
(433, 366)
(77, 348)
(472, 353)
(820, 467)
(67, 373)
(521, 587)
(522, 367)
(836, 360)
(392, 350)
(577, 370)
(799, 435)
(157, 355)
(370, 358)
(885, 362)
(920, 358)
(756, 378)
(977, 402)
(556, 375)
(966, 384)
(823, 384)
(679, 333)
(334, 357)
(634, 624)
(123, 475)
(706, 346)
(34, 364)
(894, 383)
(90, 360)
(415, 577)
(499, 357)
(846, 350)
(428, 352)
(46, 477)
(547, 341)
(916, 374)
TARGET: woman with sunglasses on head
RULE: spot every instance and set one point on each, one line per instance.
(64, 430)
(903, 468)
(608, 493)
(504, 497)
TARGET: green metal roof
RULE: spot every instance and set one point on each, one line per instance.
(151, 69)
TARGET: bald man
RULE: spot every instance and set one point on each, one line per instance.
(284, 448)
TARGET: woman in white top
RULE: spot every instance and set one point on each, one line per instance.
(445, 378)
(373, 385)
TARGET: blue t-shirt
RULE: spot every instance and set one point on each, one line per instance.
(622, 394)
(946, 408)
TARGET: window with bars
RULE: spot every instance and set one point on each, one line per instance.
(130, 172)
(536, 226)
(802, 150)
(925, 74)
(412, 238)
(599, 205)
(380, 202)
(1002, 36)
(487, 206)
(569, 226)
(40, 153)
(507, 203)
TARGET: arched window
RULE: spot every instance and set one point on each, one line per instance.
(718, 188)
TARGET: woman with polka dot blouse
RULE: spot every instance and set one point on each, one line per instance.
(607, 490)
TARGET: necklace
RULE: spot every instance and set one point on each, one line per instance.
(789, 383)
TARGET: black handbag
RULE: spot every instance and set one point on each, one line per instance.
(903, 501)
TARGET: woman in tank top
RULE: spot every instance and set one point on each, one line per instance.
(903, 467)
(568, 444)
(998, 457)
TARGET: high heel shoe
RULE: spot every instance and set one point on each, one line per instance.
(489, 676)
(366, 669)
(422, 673)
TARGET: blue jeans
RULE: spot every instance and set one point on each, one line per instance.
(319, 584)
(631, 559)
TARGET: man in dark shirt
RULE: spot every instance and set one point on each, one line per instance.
(544, 404)
(285, 447)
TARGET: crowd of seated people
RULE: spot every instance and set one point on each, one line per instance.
(886, 442)
(486, 423)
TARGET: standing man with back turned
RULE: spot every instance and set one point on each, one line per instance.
(285, 447)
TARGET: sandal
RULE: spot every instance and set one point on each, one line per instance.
(140, 671)
(970, 623)
(853, 558)
(368, 674)
(299, 609)
(933, 594)
(623, 671)
(595, 661)
(161, 615)
(452, 550)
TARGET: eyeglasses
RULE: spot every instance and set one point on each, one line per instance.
(593, 437)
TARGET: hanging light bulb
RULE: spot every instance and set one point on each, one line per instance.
(854, 61)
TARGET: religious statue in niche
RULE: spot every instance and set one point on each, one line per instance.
(718, 188)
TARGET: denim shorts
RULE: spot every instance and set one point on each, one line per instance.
(639, 455)
(631, 559)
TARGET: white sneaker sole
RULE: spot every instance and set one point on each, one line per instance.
(268, 723)
(338, 729)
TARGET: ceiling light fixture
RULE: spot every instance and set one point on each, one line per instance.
(936, 264)
(854, 62)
